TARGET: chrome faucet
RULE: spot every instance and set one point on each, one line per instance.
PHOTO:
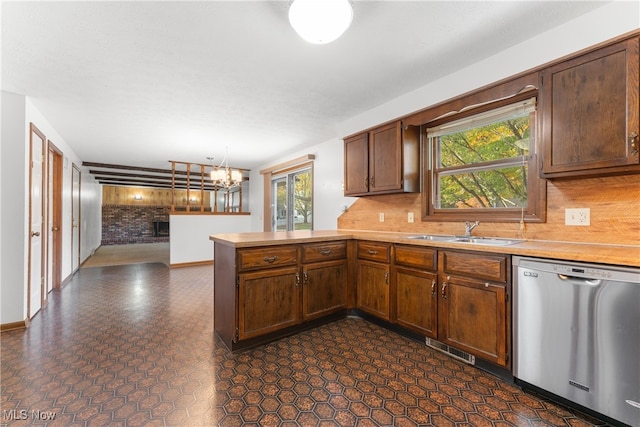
(468, 228)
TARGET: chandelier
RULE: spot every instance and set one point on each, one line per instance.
(320, 21)
(223, 176)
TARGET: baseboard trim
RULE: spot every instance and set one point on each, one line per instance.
(66, 281)
(5, 327)
(192, 264)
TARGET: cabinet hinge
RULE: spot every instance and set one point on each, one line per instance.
(237, 282)
(506, 358)
(235, 335)
(506, 296)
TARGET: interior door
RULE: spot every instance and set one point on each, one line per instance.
(36, 221)
(75, 218)
(54, 217)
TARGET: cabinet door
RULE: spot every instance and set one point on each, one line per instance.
(472, 317)
(268, 300)
(416, 300)
(385, 159)
(324, 288)
(356, 165)
(372, 293)
(590, 111)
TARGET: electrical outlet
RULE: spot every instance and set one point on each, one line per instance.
(381, 216)
(578, 216)
(410, 217)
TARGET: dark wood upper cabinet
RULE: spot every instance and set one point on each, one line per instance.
(356, 165)
(590, 109)
(383, 160)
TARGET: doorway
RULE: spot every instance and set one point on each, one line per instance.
(75, 218)
(35, 286)
(54, 218)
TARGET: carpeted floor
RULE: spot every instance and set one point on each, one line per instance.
(129, 254)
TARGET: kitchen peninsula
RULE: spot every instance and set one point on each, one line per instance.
(263, 281)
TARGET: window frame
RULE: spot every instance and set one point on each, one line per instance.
(289, 178)
(306, 161)
(536, 186)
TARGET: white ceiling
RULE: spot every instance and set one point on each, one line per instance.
(144, 82)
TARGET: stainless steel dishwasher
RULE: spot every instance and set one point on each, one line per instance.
(577, 333)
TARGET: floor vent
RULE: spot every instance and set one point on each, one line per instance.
(453, 352)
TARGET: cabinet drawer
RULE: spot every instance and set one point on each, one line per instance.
(412, 256)
(374, 251)
(324, 251)
(492, 267)
(268, 256)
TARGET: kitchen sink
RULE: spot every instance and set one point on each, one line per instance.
(434, 237)
(491, 241)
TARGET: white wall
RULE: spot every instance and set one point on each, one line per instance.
(189, 235)
(90, 197)
(13, 222)
(602, 24)
(605, 23)
(328, 177)
(17, 112)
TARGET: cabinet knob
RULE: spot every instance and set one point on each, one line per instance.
(433, 288)
(633, 140)
(297, 280)
(386, 277)
(371, 252)
(325, 252)
(270, 259)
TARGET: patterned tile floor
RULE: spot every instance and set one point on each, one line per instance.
(134, 345)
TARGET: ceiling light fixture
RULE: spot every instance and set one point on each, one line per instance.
(320, 21)
(223, 176)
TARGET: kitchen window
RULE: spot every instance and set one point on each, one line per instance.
(482, 166)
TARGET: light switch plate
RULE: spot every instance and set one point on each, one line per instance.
(410, 217)
(381, 216)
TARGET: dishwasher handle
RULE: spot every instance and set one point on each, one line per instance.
(581, 280)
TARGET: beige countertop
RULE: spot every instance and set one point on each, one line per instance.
(624, 255)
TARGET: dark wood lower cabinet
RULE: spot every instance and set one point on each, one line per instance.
(324, 288)
(473, 318)
(416, 300)
(263, 292)
(457, 297)
(372, 294)
(267, 301)
(473, 309)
